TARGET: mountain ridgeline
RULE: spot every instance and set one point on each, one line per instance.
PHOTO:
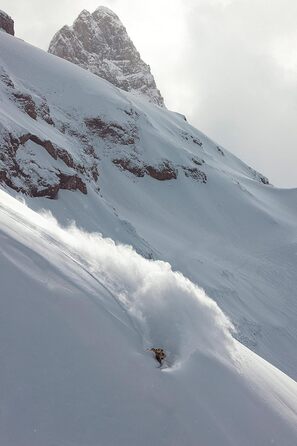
(100, 43)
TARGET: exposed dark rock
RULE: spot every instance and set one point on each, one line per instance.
(220, 151)
(263, 179)
(198, 161)
(197, 141)
(4, 77)
(54, 152)
(183, 117)
(188, 137)
(48, 192)
(195, 173)
(65, 157)
(43, 112)
(89, 150)
(14, 143)
(72, 182)
(163, 172)
(4, 179)
(127, 164)
(131, 112)
(26, 102)
(6, 23)
(46, 144)
(258, 176)
(94, 172)
(41, 187)
(112, 131)
(28, 188)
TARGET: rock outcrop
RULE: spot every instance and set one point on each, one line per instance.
(63, 129)
(22, 171)
(99, 43)
(6, 23)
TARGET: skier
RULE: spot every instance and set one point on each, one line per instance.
(160, 355)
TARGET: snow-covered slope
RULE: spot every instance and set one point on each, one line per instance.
(77, 314)
(100, 43)
(144, 176)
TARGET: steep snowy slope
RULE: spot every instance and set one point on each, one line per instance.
(77, 314)
(100, 43)
(142, 175)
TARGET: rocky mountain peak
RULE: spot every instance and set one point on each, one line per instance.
(99, 42)
(104, 10)
(6, 23)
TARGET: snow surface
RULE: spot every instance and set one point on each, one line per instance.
(234, 236)
(79, 309)
(77, 314)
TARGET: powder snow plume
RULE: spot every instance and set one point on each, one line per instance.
(164, 307)
(78, 313)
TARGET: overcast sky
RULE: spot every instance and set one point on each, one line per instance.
(229, 65)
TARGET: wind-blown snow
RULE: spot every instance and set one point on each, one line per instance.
(78, 311)
(165, 307)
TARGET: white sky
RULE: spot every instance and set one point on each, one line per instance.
(229, 65)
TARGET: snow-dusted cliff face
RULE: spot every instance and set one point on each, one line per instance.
(59, 124)
(6, 23)
(99, 43)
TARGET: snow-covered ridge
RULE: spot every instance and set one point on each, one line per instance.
(53, 139)
(99, 43)
(77, 314)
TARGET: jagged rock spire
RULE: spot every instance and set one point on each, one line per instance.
(6, 23)
(100, 43)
